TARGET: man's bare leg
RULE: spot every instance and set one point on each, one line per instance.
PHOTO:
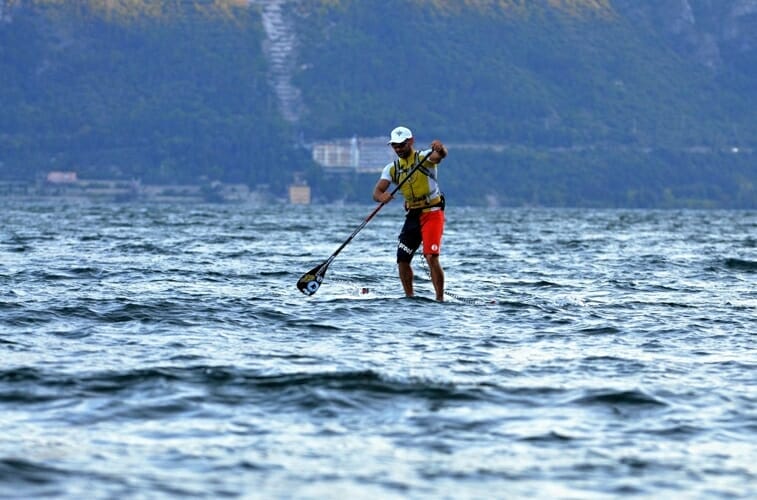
(406, 277)
(437, 275)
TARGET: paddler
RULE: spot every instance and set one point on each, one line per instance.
(424, 205)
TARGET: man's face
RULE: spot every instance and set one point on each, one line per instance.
(403, 148)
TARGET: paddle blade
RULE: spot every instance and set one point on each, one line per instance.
(311, 281)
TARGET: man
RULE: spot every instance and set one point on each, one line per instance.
(424, 204)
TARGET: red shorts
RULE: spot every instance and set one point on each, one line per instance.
(427, 227)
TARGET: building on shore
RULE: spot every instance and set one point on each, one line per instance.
(358, 154)
(57, 177)
(299, 194)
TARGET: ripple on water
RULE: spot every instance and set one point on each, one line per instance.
(165, 351)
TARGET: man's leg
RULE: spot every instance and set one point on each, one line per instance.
(406, 277)
(437, 275)
(409, 241)
(432, 229)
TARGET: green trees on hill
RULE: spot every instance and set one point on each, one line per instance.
(602, 178)
(594, 108)
(160, 99)
(545, 80)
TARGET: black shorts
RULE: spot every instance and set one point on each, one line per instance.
(410, 236)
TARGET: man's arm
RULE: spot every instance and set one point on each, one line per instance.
(379, 192)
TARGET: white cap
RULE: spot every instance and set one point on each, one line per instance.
(400, 134)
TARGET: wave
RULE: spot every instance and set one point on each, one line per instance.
(549, 437)
(223, 384)
(59, 274)
(677, 431)
(600, 330)
(741, 265)
(18, 471)
(162, 312)
(619, 398)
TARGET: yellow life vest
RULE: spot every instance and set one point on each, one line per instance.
(421, 189)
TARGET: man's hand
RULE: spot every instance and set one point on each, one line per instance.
(438, 148)
(436, 145)
(383, 197)
(380, 193)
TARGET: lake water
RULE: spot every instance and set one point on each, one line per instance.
(163, 351)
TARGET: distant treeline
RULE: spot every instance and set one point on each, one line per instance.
(599, 110)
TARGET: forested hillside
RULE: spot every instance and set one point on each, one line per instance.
(573, 102)
(539, 75)
(163, 95)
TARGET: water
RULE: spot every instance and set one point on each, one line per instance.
(164, 352)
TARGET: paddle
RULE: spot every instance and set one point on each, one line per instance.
(311, 281)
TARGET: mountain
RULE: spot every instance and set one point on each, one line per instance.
(543, 102)
(720, 35)
(596, 72)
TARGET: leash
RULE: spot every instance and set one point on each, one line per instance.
(466, 300)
